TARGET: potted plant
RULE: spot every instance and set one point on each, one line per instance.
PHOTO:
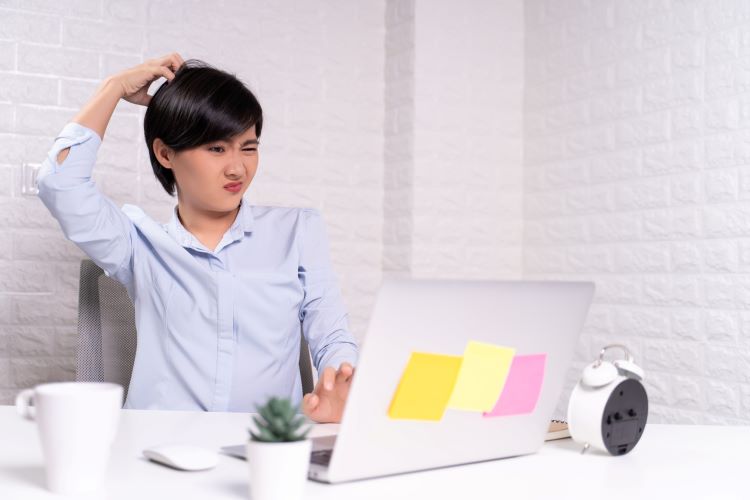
(278, 452)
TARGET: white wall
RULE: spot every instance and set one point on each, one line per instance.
(454, 103)
(571, 139)
(636, 162)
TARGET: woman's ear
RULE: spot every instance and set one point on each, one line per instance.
(163, 153)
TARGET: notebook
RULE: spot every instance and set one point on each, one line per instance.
(558, 429)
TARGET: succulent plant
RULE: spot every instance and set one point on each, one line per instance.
(277, 422)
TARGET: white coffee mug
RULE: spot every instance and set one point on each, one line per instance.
(77, 423)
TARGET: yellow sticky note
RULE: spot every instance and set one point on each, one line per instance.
(425, 387)
(482, 376)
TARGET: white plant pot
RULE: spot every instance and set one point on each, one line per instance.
(278, 471)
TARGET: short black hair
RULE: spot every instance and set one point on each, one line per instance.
(200, 105)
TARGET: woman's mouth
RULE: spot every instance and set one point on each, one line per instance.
(233, 187)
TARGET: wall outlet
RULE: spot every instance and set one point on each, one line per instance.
(29, 173)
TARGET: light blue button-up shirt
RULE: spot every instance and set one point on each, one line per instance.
(217, 330)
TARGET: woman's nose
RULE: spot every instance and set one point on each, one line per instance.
(236, 165)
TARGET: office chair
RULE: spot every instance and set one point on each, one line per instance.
(107, 335)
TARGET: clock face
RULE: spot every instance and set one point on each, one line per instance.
(624, 418)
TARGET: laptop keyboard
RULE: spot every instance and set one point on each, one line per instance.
(321, 457)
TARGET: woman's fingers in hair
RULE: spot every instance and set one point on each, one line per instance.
(173, 60)
(165, 72)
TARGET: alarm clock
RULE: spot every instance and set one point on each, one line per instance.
(608, 408)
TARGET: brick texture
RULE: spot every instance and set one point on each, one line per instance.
(636, 177)
(542, 139)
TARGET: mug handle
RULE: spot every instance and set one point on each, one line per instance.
(23, 404)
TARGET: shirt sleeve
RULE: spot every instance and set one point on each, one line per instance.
(87, 217)
(323, 314)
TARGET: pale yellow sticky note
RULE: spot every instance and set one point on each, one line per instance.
(425, 387)
(482, 376)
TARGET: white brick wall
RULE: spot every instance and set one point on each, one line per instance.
(454, 139)
(468, 139)
(637, 177)
(398, 131)
(551, 139)
(318, 71)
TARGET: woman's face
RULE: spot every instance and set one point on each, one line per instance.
(203, 172)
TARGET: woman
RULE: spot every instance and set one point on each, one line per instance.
(219, 291)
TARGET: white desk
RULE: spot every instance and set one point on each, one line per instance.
(670, 462)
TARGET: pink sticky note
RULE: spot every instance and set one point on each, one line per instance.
(522, 387)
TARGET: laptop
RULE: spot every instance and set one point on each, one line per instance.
(540, 320)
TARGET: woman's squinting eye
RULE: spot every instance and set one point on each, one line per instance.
(212, 148)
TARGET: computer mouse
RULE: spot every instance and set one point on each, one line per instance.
(183, 457)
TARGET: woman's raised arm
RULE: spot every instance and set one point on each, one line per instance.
(131, 85)
(87, 217)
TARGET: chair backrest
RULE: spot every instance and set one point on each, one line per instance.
(107, 333)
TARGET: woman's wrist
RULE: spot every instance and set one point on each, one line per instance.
(97, 112)
(112, 86)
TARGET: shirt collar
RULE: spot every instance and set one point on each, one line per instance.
(243, 223)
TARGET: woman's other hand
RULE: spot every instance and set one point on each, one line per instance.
(326, 403)
(136, 80)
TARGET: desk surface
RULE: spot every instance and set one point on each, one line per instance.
(671, 461)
